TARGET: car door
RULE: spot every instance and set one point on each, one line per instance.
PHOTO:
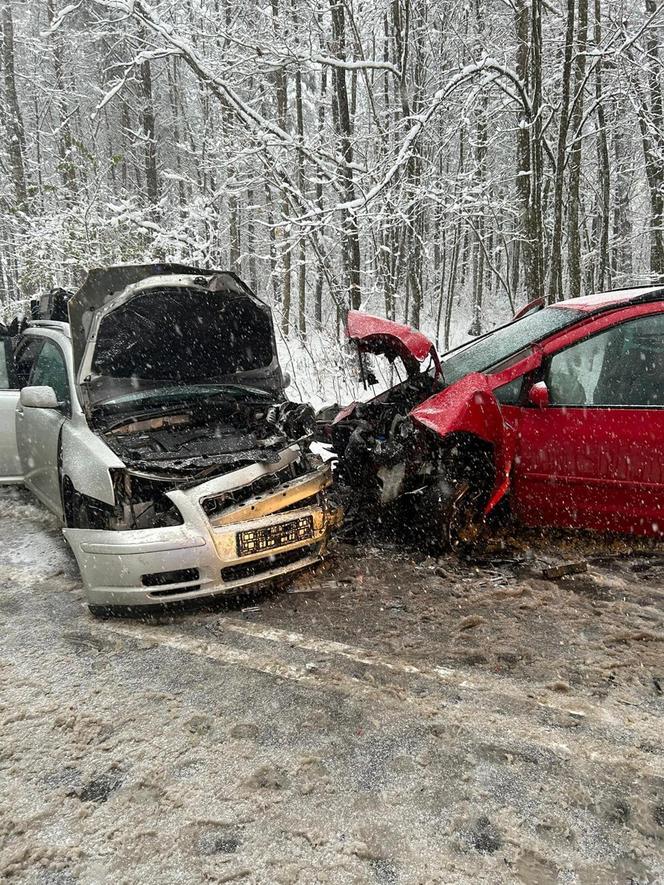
(594, 456)
(10, 464)
(38, 430)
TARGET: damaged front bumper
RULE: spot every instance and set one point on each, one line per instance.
(234, 534)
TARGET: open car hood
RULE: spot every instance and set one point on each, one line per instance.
(145, 327)
(377, 335)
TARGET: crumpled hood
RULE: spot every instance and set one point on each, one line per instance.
(377, 335)
(146, 327)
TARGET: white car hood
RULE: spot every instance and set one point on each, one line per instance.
(143, 327)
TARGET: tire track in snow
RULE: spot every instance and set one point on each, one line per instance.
(503, 726)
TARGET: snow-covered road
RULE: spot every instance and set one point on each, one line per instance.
(399, 721)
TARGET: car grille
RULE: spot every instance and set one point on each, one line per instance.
(267, 563)
(263, 485)
(180, 576)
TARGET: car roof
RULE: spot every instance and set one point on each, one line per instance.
(48, 326)
(606, 300)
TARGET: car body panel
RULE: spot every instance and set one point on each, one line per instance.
(10, 462)
(378, 335)
(531, 307)
(595, 468)
(87, 461)
(103, 285)
(38, 438)
(90, 310)
(470, 406)
(113, 563)
(467, 406)
(606, 300)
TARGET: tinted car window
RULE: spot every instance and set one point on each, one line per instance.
(26, 354)
(623, 366)
(510, 394)
(50, 369)
(486, 352)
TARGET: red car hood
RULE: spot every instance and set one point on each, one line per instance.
(377, 335)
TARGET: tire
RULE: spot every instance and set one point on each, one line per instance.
(454, 503)
(452, 517)
(77, 509)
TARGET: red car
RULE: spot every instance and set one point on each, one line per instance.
(560, 413)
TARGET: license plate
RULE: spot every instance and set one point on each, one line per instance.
(271, 536)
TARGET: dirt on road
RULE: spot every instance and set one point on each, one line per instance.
(389, 718)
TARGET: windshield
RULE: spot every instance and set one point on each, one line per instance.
(495, 347)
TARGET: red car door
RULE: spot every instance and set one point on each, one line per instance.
(594, 456)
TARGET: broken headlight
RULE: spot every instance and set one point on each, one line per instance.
(142, 503)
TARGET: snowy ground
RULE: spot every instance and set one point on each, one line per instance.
(395, 720)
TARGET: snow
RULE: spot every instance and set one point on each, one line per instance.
(404, 721)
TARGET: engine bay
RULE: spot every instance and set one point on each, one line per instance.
(378, 447)
(212, 436)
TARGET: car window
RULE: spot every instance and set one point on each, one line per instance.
(622, 366)
(7, 381)
(494, 349)
(50, 369)
(24, 359)
(510, 394)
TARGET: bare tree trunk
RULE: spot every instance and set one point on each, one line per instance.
(318, 295)
(170, 69)
(523, 247)
(148, 120)
(251, 240)
(13, 121)
(621, 255)
(67, 163)
(301, 256)
(350, 234)
(416, 252)
(603, 164)
(556, 280)
(653, 142)
(281, 94)
(272, 246)
(234, 239)
(536, 224)
(575, 156)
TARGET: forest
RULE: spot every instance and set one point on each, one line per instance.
(439, 163)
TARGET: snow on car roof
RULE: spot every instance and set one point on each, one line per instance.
(598, 300)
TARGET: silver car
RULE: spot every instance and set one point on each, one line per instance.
(154, 424)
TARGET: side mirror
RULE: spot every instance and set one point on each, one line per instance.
(538, 395)
(287, 379)
(39, 398)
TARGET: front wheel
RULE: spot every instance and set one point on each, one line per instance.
(453, 515)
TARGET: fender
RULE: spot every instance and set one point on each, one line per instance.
(86, 460)
(469, 406)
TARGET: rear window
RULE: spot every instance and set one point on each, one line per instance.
(484, 353)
